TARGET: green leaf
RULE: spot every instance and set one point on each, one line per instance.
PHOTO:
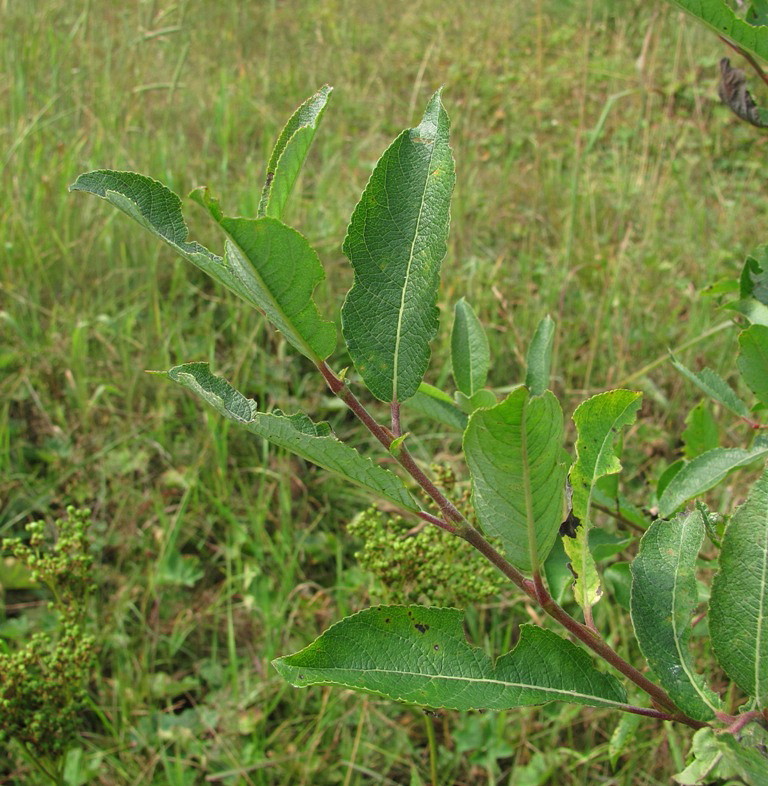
(518, 480)
(470, 354)
(482, 399)
(312, 441)
(664, 597)
(396, 242)
(715, 387)
(539, 360)
(720, 758)
(279, 270)
(701, 432)
(719, 17)
(738, 607)
(753, 282)
(598, 422)
(289, 153)
(284, 259)
(753, 360)
(559, 577)
(420, 655)
(433, 403)
(706, 471)
(667, 476)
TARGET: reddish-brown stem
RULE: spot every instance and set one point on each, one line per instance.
(748, 57)
(534, 589)
(438, 522)
(395, 410)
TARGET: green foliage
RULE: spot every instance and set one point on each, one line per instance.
(420, 655)
(514, 454)
(470, 355)
(396, 242)
(664, 596)
(738, 608)
(598, 422)
(43, 685)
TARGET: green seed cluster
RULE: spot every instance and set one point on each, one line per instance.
(42, 685)
(425, 566)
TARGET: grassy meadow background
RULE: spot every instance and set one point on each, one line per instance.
(599, 180)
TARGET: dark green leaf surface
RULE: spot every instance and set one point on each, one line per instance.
(396, 242)
(718, 16)
(312, 441)
(598, 422)
(715, 387)
(518, 480)
(470, 355)
(738, 607)
(706, 471)
(753, 360)
(539, 359)
(664, 597)
(290, 151)
(420, 656)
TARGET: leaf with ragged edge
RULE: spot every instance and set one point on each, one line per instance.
(753, 360)
(701, 433)
(738, 607)
(297, 433)
(279, 270)
(705, 472)
(598, 422)
(715, 387)
(719, 17)
(539, 358)
(470, 355)
(513, 452)
(396, 242)
(289, 153)
(419, 655)
(433, 403)
(158, 209)
(664, 597)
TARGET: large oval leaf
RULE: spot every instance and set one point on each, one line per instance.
(420, 656)
(513, 451)
(396, 242)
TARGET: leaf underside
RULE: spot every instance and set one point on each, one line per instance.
(297, 433)
(278, 279)
(719, 17)
(396, 242)
(664, 596)
(470, 355)
(420, 655)
(706, 471)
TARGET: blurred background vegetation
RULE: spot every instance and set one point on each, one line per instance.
(599, 180)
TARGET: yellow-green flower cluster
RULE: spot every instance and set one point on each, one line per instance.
(42, 690)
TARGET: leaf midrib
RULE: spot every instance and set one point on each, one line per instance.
(456, 678)
(398, 334)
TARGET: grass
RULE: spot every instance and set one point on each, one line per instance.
(599, 180)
